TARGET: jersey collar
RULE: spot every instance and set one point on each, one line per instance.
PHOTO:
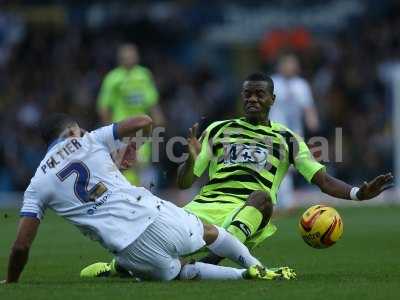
(245, 120)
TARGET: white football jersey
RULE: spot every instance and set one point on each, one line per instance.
(80, 182)
(293, 95)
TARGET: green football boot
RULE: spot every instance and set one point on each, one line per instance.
(99, 269)
(259, 272)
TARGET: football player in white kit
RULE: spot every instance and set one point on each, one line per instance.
(80, 182)
(294, 103)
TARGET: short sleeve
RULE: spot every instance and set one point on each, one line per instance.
(304, 161)
(206, 153)
(108, 137)
(33, 204)
(204, 157)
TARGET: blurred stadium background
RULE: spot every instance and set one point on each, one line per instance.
(54, 56)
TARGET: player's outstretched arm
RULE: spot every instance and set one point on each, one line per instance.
(186, 175)
(27, 230)
(129, 127)
(339, 189)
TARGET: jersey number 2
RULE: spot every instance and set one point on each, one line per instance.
(82, 181)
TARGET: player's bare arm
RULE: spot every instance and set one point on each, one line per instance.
(126, 157)
(27, 230)
(129, 127)
(339, 189)
(186, 175)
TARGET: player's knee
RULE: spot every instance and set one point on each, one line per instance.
(262, 201)
(210, 233)
(168, 271)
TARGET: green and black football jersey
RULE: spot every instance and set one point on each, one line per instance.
(242, 157)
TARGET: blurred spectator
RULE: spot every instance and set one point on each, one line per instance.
(293, 103)
(294, 100)
(127, 91)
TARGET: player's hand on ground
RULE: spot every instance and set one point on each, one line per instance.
(376, 186)
(193, 143)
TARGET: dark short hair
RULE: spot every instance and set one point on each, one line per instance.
(260, 76)
(53, 125)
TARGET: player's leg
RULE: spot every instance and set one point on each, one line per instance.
(253, 216)
(198, 234)
(211, 213)
(249, 219)
(188, 271)
(198, 270)
(155, 254)
(224, 244)
(176, 232)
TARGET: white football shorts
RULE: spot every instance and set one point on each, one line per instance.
(155, 253)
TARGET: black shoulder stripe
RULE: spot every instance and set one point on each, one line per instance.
(292, 143)
(258, 131)
(276, 150)
(212, 201)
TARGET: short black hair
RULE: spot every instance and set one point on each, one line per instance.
(53, 125)
(260, 76)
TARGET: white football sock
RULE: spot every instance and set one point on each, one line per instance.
(226, 245)
(200, 270)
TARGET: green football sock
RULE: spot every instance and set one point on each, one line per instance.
(245, 223)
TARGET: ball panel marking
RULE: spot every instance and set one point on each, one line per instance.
(308, 224)
(326, 237)
(320, 226)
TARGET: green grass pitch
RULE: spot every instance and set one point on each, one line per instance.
(365, 264)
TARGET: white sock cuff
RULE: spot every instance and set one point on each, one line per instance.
(220, 239)
(201, 270)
